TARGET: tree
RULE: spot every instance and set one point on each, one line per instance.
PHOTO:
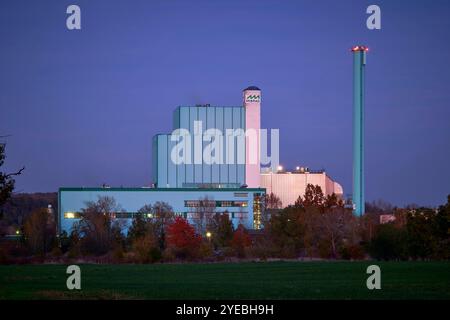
(162, 217)
(272, 201)
(422, 242)
(240, 241)
(19, 206)
(388, 243)
(39, 230)
(313, 197)
(138, 228)
(221, 229)
(7, 181)
(97, 230)
(332, 201)
(442, 231)
(146, 248)
(147, 232)
(380, 206)
(203, 214)
(287, 230)
(335, 228)
(182, 238)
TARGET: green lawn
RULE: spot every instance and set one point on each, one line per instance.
(264, 280)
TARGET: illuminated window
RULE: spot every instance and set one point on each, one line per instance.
(257, 214)
(240, 204)
(191, 203)
(226, 203)
(71, 215)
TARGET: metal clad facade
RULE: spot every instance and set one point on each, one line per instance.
(168, 174)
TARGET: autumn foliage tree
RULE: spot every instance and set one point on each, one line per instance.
(182, 238)
(317, 225)
(97, 230)
(39, 231)
(147, 233)
(240, 241)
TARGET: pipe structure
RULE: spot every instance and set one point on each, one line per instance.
(359, 62)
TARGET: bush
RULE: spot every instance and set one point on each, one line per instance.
(205, 251)
(118, 254)
(241, 240)
(168, 255)
(262, 251)
(352, 252)
(146, 249)
(56, 252)
(389, 243)
(3, 256)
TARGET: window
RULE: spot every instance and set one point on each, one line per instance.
(241, 204)
(257, 208)
(191, 203)
(241, 194)
(123, 215)
(240, 215)
(72, 215)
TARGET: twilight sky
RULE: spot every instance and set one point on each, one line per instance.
(81, 107)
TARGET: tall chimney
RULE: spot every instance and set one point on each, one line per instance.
(359, 62)
(252, 105)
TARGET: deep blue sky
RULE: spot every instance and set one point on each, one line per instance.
(82, 106)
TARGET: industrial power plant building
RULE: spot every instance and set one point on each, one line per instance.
(228, 180)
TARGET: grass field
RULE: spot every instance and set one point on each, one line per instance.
(264, 280)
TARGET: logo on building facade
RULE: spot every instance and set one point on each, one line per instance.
(252, 98)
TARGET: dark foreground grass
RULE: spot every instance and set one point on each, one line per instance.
(264, 280)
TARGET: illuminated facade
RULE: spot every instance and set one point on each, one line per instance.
(239, 204)
(178, 158)
(288, 186)
(183, 179)
(231, 180)
(192, 171)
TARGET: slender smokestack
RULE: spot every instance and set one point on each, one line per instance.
(359, 62)
(252, 105)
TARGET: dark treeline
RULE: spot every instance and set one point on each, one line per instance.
(19, 207)
(317, 226)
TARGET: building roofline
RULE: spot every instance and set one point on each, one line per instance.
(207, 106)
(159, 189)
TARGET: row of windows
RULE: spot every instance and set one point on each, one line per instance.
(212, 203)
(234, 215)
(131, 215)
(118, 215)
